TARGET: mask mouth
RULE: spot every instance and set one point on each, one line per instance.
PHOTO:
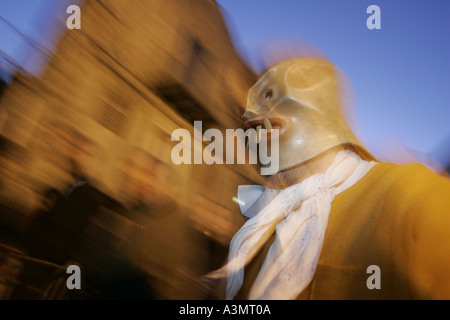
(269, 124)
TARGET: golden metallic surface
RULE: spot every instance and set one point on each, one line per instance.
(301, 98)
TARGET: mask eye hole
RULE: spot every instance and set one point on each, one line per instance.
(268, 95)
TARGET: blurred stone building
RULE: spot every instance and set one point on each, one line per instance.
(133, 73)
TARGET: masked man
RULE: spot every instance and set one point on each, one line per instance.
(333, 223)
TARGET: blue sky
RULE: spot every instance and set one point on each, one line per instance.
(29, 27)
(400, 74)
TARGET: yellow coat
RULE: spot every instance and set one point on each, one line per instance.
(397, 217)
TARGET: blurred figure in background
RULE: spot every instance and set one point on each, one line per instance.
(332, 213)
(83, 241)
(80, 203)
(66, 233)
(164, 245)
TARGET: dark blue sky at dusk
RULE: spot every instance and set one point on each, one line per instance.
(400, 74)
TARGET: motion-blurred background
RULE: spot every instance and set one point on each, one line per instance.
(98, 105)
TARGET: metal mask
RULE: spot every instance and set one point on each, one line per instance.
(300, 97)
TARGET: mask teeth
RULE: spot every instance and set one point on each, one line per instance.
(258, 134)
(267, 125)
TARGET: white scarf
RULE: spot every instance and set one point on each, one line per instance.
(292, 259)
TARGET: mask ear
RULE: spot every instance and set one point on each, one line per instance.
(306, 75)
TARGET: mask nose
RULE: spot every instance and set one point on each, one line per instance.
(248, 115)
(241, 110)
